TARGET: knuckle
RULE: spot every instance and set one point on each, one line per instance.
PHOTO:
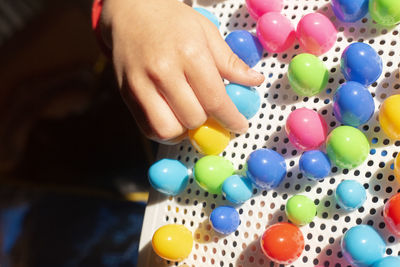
(234, 61)
(159, 69)
(197, 122)
(214, 105)
(189, 51)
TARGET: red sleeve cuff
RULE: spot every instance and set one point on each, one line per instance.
(96, 14)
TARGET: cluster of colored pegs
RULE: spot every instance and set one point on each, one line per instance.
(362, 66)
(315, 32)
(283, 242)
(357, 240)
(353, 105)
(265, 169)
(361, 238)
(360, 63)
(276, 34)
(346, 146)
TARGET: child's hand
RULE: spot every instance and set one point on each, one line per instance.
(169, 61)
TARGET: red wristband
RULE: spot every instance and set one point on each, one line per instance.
(96, 14)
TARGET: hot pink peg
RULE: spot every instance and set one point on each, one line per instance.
(316, 33)
(257, 8)
(306, 129)
(275, 32)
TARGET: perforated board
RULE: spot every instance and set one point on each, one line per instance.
(322, 236)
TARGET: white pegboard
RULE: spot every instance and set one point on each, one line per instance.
(322, 236)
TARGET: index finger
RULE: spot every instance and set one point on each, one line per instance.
(205, 80)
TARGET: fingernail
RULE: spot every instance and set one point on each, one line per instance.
(244, 130)
(254, 74)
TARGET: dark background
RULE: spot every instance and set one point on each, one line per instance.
(71, 156)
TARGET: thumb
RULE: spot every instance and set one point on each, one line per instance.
(230, 66)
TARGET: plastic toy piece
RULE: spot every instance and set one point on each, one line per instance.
(246, 99)
(168, 176)
(208, 15)
(347, 147)
(266, 168)
(353, 104)
(275, 32)
(224, 220)
(390, 261)
(307, 75)
(350, 11)
(246, 46)
(306, 129)
(257, 8)
(361, 63)
(316, 33)
(362, 246)
(300, 210)
(389, 117)
(315, 164)
(385, 12)
(237, 189)
(172, 242)
(391, 214)
(350, 195)
(210, 173)
(210, 138)
(282, 243)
